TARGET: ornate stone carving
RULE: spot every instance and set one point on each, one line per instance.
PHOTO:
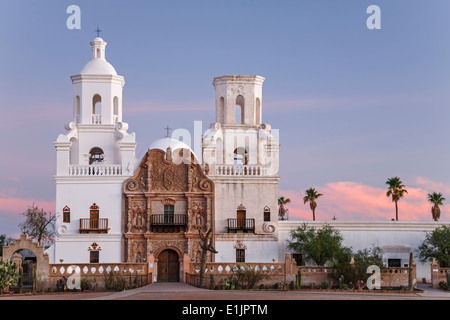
(269, 227)
(168, 201)
(240, 245)
(169, 177)
(94, 247)
(131, 185)
(139, 214)
(206, 185)
(198, 215)
(157, 179)
(138, 252)
(163, 243)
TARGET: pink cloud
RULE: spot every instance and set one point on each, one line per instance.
(355, 201)
(16, 206)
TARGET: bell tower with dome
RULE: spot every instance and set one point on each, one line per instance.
(94, 157)
(240, 155)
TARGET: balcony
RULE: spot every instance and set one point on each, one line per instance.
(168, 223)
(95, 170)
(94, 225)
(239, 170)
(241, 225)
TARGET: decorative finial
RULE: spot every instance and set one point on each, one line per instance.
(98, 31)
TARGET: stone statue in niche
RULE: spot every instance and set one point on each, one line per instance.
(138, 251)
(139, 216)
(130, 213)
(198, 216)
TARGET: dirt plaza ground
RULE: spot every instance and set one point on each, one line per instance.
(181, 291)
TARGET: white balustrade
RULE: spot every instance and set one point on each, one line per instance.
(96, 119)
(95, 170)
(240, 170)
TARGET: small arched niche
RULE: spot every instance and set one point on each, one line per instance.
(96, 109)
(240, 156)
(240, 110)
(96, 156)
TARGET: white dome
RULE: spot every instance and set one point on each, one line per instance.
(163, 144)
(98, 66)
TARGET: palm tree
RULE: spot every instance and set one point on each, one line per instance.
(282, 210)
(396, 191)
(436, 199)
(311, 196)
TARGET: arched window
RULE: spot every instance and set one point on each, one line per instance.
(240, 110)
(266, 214)
(258, 112)
(240, 156)
(97, 109)
(77, 109)
(221, 111)
(96, 156)
(116, 106)
(66, 214)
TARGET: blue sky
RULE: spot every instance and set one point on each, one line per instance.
(353, 105)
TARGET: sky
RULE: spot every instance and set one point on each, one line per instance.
(354, 106)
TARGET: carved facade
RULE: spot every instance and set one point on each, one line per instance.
(166, 203)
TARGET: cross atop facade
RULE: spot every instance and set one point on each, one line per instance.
(98, 31)
(167, 131)
(334, 218)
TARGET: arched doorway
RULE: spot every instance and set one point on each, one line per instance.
(25, 260)
(168, 266)
(38, 257)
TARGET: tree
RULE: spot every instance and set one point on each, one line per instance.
(4, 241)
(282, 210)
(38, 224)
(311, 196)
(205, 246)
(436, 245)
(8, 275)
(437, 200)
(317, 246)
(396, 191)
(356, 270)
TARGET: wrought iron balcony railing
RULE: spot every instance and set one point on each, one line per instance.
(168, 223)
(241, 225)
(94, 225)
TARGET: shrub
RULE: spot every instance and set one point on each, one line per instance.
(443, 285)
(248, 277)
(61, 284)
(231, 283)
(9, 277)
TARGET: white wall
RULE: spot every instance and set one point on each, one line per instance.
(259, 248)
(362, 235)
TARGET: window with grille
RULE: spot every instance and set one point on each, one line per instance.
(94, 257)
(240, 255)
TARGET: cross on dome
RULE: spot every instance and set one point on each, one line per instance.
(98, 31)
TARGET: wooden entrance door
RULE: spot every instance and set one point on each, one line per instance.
(241, 219)
(168, 266)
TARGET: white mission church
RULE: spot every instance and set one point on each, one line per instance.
(114, 208)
